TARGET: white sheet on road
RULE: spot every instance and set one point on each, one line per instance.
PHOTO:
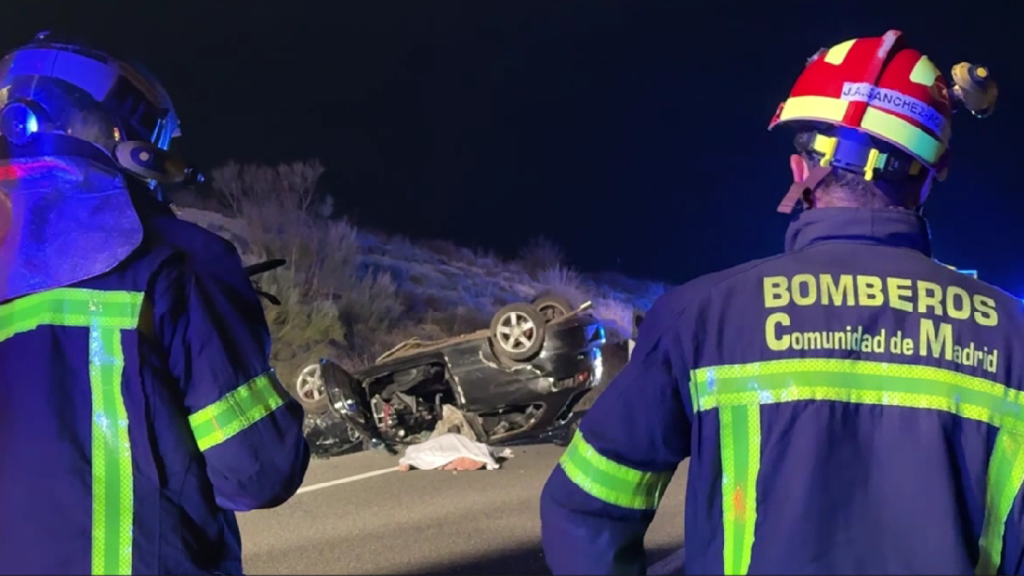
(441, 450)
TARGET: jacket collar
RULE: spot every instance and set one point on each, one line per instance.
(879, 226)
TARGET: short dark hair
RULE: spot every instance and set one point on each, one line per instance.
(845, 188)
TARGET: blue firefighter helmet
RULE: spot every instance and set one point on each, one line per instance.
(56, 94)
(80, 132)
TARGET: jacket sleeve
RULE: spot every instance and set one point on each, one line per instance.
(247, 426)
(599, 501)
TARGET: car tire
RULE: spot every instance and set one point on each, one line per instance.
(517, 332)
(309, 390)
(552, 306)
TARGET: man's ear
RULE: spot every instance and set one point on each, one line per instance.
(799, 167)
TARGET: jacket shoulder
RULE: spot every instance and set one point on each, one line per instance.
(201, 248)
(669, 307)
(945, 275)
(675, 301)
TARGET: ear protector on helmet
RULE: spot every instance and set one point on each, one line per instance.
(150, 162)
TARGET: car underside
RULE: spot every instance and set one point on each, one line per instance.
(466, 384)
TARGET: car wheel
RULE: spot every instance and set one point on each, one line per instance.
(552, 306)
(517, 332)
(354, 437)
(309, 389)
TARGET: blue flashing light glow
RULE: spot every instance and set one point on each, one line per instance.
(31, 123)
(18, 122)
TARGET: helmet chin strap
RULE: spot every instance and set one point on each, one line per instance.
(795, 195)
(926, 188)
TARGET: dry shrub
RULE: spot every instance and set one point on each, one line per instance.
(617, 318)
(540, 254)
(328, 304)
(449, 251)
(565, 282)
(559, 275)
(369, 309)
(276, 203)
(302, 328)
(351, 294)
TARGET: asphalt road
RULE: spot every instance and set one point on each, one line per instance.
(353, 516)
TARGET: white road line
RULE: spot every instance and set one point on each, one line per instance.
(671, 565)
(345, 480)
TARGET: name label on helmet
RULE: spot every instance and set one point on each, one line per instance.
(894, 101)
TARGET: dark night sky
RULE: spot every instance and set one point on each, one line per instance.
(632, 133)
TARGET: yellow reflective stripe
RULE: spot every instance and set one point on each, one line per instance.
(860, 382)
(883, 124)
(896, 129)
(924, 72)
(237, 410)
(813, 107)
(741, 461)
(1004, 479)
(70, 307)
(837, 53)
(105, 314)
(609, 481)
(112, 482)
(740, 387)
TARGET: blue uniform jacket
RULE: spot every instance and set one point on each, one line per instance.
(138, 412)
(850, 406)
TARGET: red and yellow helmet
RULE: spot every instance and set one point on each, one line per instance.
(883, 89)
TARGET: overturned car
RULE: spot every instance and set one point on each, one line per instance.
(518, 379)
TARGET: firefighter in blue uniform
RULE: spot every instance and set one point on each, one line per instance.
(850, 406)
(138, 410)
